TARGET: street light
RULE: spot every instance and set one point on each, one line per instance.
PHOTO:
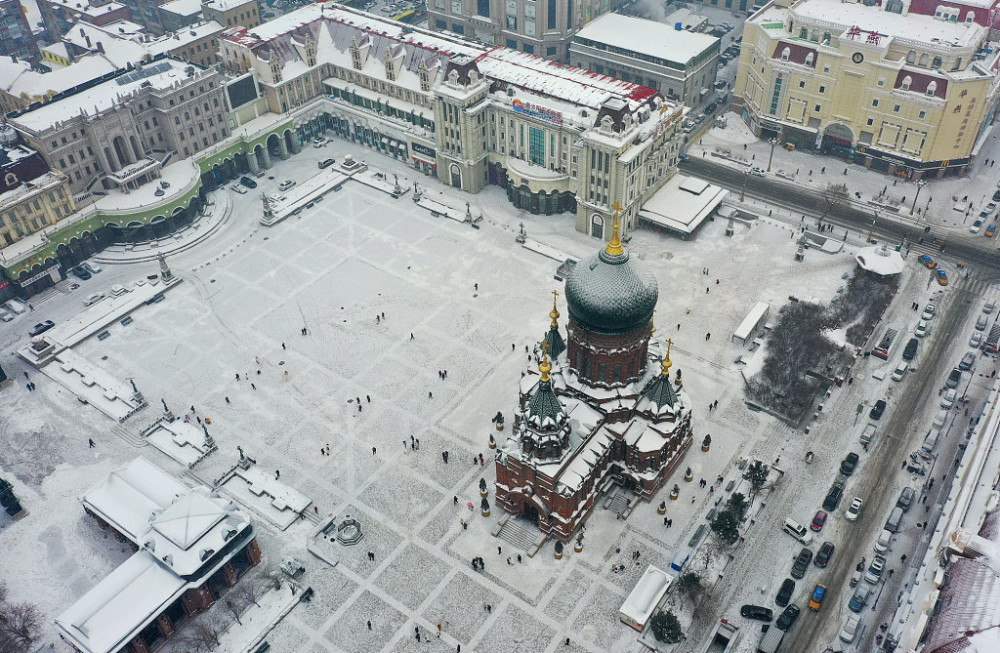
(773, 141)
(746, 178)
(920, 184)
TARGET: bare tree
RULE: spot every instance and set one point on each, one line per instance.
(272, 574)
(251, 589)
(19, 625)
(203, 637)
(834, 196)
(234, 606)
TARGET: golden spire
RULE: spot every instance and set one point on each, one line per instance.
(555, 311)
(665, 363)
(544, 366)
(615, 244)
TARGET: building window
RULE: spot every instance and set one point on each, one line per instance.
(536, 146)
(802, 83)
(875, 102)
(818, 107)
(922, 115)
(512, 44)
(881, 81)
(552, 14)
(931, 88)
(483, 7)
(822, 89)
(529, 49)
(550, 52)
(870, 122)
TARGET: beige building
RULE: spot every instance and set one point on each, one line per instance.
(232, 13)
(555, 138)
(33, 205)
(900, 93)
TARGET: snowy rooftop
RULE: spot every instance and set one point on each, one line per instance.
(34, 85)
(226, 5)
(100, 97)
(683, 203)
(182, 7)
(87, 8)
(106, 616)
(125, 42)
(647, 37)
(911, 27)
(130, 495)
(569, 83)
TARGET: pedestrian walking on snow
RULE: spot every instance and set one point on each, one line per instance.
(90, 441)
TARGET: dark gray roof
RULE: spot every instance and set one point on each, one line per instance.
(661, 392)
(609, 294)
(555, 342)
(544, 410)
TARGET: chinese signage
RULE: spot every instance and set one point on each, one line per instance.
(535, 111)
(53, 271)
(423, 149)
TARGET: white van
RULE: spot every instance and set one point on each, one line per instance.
(900, 371)
(895, 519)
(798, 531)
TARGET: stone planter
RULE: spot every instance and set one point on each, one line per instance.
(485, 511)
(706, 447)
(662, 508)
(688, 475)
(578, 548)
(674, 493)
(483, 494)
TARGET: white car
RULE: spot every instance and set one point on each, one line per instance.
(948, 400)
(319, 142)
(854, 510)
(93, 267)
(940, 418)
(976, 339)
(5, 316)
(93, 298)
(758, 172)
(238, 188)
(928, 313)
(850, 629)
(285, 185)
(976, 226)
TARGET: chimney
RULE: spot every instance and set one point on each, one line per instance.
(88, 40)
(100, 47)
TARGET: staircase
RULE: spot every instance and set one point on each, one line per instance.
(521, 534)
(128, 436)
(311, 516)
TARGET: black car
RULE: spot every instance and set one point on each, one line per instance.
(80, 273)
(848, 464)
(911, 349)
(758, 612)
(996, 196)
(877, 409)
(802, 563)
(785, 593)
(711, 108)
(823, 557)
(953, 378)
(42, 327)
(787, 617)
(833, 497)
(248, 182)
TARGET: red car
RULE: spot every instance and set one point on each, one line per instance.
(818, 521)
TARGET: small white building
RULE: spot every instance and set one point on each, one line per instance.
(751, 323)
(681, 205)
(644, 598)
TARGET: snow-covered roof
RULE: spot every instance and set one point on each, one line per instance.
(910, 27)
(682, 203)
(104, 619)
(226, 5)
(59, 49)
(86, 8)
(646, 594)
(186, 534)
(881, 260)
(34, 85)
(11, 70)
(125, 42)
(575, 85)
(101, 97)
(648, 37)
(182, 7)
(130, 495)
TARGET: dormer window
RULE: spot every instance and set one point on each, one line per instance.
(931, 88)
(906, 83)
(809, 59)
(911, 56)
(785, 54)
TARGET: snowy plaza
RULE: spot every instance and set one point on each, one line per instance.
(468, 301)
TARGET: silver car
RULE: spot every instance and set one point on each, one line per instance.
(976, 339)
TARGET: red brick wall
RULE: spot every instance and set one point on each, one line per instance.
(583, 346)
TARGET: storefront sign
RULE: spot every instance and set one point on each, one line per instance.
(423, 149)
(535, 111)
(54, 271)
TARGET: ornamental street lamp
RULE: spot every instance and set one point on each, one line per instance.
(773, 141)
(920, 184)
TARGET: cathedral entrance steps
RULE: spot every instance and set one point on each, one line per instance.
(621, 501)
(311, 516)
(519, 532)
(128, 436)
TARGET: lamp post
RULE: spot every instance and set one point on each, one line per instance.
(920, 184)
(746, 178)
(773, 141)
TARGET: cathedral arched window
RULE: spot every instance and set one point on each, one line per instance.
(617, 373)
(631, 369)
(602, 373)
